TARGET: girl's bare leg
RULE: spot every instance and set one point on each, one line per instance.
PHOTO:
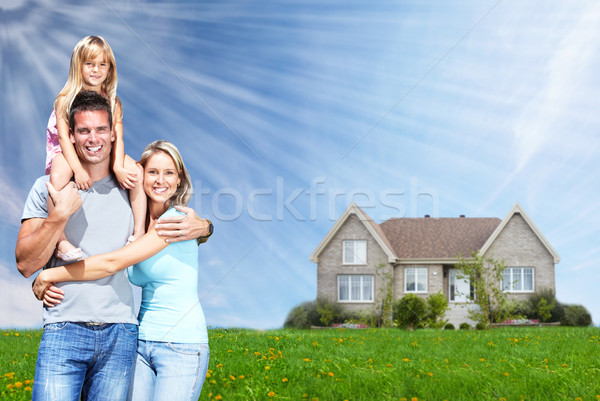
(60, 175)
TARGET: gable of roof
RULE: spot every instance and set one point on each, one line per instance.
(373, 228)
(438, 238)
(517, 209)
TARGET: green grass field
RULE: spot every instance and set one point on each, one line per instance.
(557, 363)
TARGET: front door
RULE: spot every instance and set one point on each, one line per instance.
(460, 288)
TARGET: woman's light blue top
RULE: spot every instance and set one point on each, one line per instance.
(170, 310)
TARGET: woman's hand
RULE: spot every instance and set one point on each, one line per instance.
(127, 179)
(45, 291)
(182, 228)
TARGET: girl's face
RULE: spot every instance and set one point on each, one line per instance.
(161, 178)
(94, 72)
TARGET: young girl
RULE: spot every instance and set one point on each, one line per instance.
(93, 68)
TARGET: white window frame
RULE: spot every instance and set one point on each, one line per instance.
(358, 253)
(361, 282)
(419, 273)
(516, 276)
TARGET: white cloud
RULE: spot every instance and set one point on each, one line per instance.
(20, 308)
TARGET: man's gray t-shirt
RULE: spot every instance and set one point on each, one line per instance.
(101, 225)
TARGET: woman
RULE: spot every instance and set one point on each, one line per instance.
(173, 348)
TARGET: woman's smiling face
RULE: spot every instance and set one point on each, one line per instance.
(161, 178)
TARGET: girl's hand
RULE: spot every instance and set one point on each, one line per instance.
(127, 179)
(82, 179)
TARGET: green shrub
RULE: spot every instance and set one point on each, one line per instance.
(329, 312)
(464, 326)
(437, 304)
(410, 310)
(542, 303)
(576, 315)
(303, 316)
(480, 326)
(449, 326)
(558, 312)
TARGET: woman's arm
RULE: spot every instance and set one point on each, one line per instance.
(100, 266)
(82, 178)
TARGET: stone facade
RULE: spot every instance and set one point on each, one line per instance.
(518, 246)
(331, 264)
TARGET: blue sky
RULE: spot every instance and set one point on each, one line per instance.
(285, 112)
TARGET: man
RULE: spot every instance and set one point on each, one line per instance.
(89, 341)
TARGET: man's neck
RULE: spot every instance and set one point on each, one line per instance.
(97, 172)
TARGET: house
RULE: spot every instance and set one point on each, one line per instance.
(420, 254)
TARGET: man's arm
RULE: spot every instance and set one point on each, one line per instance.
(37, 237)
(183, 228)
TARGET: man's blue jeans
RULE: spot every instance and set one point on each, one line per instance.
(93, 362)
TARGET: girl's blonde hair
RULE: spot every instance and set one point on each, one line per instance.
(184, 191)
(87, 49)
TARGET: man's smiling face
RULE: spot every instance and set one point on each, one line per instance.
(92, 137)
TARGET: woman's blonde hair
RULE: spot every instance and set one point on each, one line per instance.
(87, 49)
(184, 191)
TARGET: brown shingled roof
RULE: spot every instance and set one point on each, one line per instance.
(438, 237)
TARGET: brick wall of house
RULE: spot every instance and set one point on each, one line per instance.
(330, 263)
(435, 280)
(518, 246)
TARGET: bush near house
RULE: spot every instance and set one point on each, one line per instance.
(543, 306)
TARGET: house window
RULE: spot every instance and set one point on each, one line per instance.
(355, 252)
(517, 279)
(415, 279)
(353, 288)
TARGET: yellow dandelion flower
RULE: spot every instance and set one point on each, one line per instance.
(501, 399)
(304, 395)
(257, 353)
(229, 350)
(17, 334)
(271, 394)
(28, 388)
(306, 359)
(218, 397)
(406, 360)
(220, 365)
(506, 374)
(9, 386)
(331, 374)
(241, 377)
(18, 384)
(232, 377)
(285, 379)
(389, 365)
(27, 381)
(578, 399)
(430, 374)
(482, 359)
(564, 365)
(267, 367)
(414, 399)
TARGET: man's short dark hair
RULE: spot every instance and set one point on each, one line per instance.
(89, 101)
